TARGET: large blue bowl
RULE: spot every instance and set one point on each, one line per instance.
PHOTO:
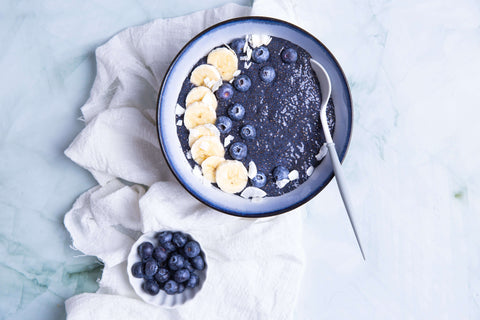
(180, 68)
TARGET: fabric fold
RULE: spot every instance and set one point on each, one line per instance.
(254, 265)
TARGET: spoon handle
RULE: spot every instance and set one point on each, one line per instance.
(342, 187)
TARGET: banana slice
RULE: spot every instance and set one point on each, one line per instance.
(207, 147)
(201, 131)
(209, 167)
(206, 75)
(231, 176)
(202, 94)
(225, 60)
(198, 113)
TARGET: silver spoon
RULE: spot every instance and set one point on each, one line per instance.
(326, 90)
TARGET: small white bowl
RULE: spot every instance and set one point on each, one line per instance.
(161, 299)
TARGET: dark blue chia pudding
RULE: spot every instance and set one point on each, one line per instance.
(284, 113)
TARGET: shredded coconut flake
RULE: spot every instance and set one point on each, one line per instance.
(245, 46)
(252, 170)
(179, 123)
(310, 171)
(252, 192)
(249, 53)
(197, 171)
(282, 183)
(293, 175)
(237, 73)
(247, 65)
(322, 153)
(243, 58)
(179, 110)
(227, 140)
(188, 155)
(257, 40)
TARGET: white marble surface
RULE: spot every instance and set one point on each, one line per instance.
(413, 67)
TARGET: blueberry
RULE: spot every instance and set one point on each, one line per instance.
(160, 254)
(181, 275)
(260, 180)
(238, 150)
(164, 236)
(171, 287)
(192, 249)
(145, 250)
(176, 261)
(151, 267)
(289, 55)
(169, 246)
(236, 111)
(198, 263)
(260, 54)
(267, 74)
(248, 132)
(179, 239)
(237, 45)
(162, 275)
(242, 83)
(187, 265)
(181, 288)
(225, 91)
(224, 124)
(280, 173)
(137, 270)
(151, 287)
(193, 281)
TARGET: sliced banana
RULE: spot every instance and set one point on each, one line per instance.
(231, 176)
(198, 113)
(201, 131)
(209, 167)
(202, 94)
(225, 60)
(205, 147)
(206, 75)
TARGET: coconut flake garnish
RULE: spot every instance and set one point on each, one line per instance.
(282, 183)
(188, 154)
(197, 171)
(247, 65)
(252, 170)
(310, 170)
(216, 85)
(227, 140)
(237, 73)
(243, 58)
(245, 46)
(252, 192)
(322, 153)
(249, 53)
(257, 40)
(293, 175)
(179, 123)
(179, 110)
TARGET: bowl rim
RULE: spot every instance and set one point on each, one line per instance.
(341, 155)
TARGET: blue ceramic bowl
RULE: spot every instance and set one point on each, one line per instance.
(180, 68)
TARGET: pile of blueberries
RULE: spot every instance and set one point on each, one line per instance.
(236, 112)
(171, 266)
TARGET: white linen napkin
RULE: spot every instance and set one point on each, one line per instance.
(255, 265)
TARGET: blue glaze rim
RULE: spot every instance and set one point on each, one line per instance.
(161, 136)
